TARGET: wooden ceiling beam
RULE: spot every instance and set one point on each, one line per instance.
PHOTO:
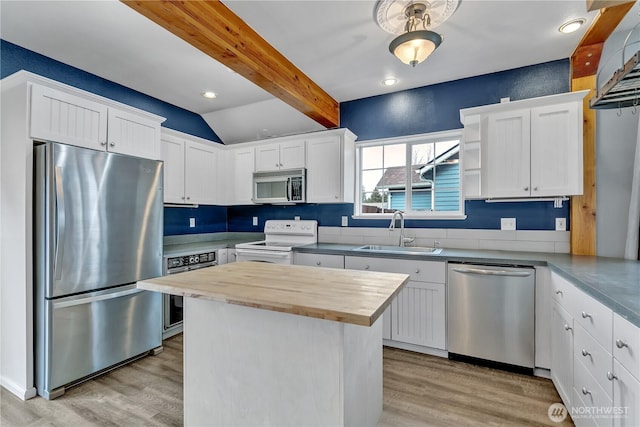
(586, 57)
(215, 30)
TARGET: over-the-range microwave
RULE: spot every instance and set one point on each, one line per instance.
(283, 186)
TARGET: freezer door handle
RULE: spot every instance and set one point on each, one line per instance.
(95, 298)
(61, 224)
(493, 272)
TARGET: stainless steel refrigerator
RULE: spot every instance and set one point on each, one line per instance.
(98, 230)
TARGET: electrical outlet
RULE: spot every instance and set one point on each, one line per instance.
(561, 224)
(345, 221)
(255, 220)
(507, 223)
(192, 222)
(296, 218)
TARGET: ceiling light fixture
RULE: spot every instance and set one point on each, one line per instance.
(571, 26)
(415, 45)
(390, 81)
(209, 95)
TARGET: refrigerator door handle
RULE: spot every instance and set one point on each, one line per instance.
(61, 224)
(95, 298)
(492, 272)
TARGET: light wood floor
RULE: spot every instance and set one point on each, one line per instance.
(419, 390)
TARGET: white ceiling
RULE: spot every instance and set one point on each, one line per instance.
(336, 43)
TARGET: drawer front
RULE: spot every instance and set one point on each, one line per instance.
(594, 317)
(319, 260)
(626, 344)
(562, 291)
(579, 415)
(595, 358)
(419, 271)
(588, 388)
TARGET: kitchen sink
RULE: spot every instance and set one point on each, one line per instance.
(409, 250)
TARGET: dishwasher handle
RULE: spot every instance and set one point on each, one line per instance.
(492, 272)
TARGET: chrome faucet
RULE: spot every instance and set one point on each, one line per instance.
(392, 226)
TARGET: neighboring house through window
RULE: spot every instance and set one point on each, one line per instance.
(433, 174)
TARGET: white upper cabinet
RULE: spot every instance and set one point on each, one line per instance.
(62, 117)
(190, 169)
(526, 148)
(133, 135)
(507, 154)
(73, 119)
(282, 155)
(242, 161)
(331, 168)
(556, 150)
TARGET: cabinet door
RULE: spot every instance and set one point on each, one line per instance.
(61, 117)
(173, 157)
(626, 397)
(507, 157)
(556, 150)
(418, 315)
(267, 157)
(324, 170)
(562, 353)
(243, 166)
(201, 161)
(133, 135)
(292, 155)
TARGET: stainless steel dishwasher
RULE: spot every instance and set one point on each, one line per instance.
(490, 313)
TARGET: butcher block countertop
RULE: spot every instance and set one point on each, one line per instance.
(357, 297)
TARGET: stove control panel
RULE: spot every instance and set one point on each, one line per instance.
(284, 226)
(188, 260)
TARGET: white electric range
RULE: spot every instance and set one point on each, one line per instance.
(281, 236)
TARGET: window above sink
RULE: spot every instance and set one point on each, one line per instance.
(417, 174)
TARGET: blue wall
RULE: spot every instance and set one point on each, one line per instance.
(14, 58)
(529, 216)
(209, 219)
(437, 107)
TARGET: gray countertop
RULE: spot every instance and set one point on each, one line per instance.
(194, 243)
(614, 282)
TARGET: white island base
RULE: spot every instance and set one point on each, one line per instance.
(249, 366)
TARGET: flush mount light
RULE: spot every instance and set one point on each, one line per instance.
(390, 81)
(415, 45)
(209, 95)
(571, 26)
(413, 24)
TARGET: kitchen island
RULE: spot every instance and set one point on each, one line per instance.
(268, 344)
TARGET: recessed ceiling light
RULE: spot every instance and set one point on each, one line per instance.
(390, 81)
(209, 95)
(571, 26)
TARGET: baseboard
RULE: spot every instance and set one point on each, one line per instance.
(17, 390)
(417, 348)
(542, 372)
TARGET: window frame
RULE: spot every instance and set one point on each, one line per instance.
(410, 141)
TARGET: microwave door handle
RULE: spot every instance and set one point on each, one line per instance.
(288, 189)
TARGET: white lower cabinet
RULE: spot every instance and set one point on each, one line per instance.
(417, 314)
(626, 397)
(319, 260)
(562, 352)
(595, 359)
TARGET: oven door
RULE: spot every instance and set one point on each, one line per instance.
(261, 255)
(172, 313)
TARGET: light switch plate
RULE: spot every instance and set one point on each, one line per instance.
(561, 224)
(255, 220)
(507, 223)
(345, 221)
(192, 222)
(296, 218)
